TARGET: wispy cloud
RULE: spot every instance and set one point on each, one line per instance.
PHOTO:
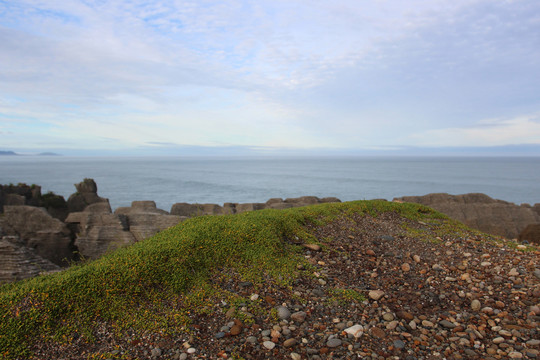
(490, 132)
(270, 73)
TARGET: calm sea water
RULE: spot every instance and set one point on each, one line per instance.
(168, 180)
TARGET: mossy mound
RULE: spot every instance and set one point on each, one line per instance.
(156, 284)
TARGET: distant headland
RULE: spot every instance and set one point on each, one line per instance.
(13, 153)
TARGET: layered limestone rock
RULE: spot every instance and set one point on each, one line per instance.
(99, 231)
(481, 212)
(146, 220)
(86, 195)
(190, 210)
(20, 262)
(38, 230)
(531, 234)
(21, 194)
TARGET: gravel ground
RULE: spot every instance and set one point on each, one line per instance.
(431, 298)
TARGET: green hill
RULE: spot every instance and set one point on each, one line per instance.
(188, 280)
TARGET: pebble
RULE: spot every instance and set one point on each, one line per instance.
(191, 351)
(427, 323)
(356, 330)
(515, 355)
(299, 316)
(295, 356)
(533, 342)
(220, 335)
(437, 267)
(405, 315)
(283, 313)
(392, 325)
(416, 258)
(378, 332)
(254, 297)
(313, 247)
(183, 356)
(447, 324)
(235, 330)
(388, 316)
(155, 352)
(398, 344)
(405, 267)
(289, 343)
(475, 305)
(269, 345)
(376, 294)
(513, 272)
(334, 342)
(537, 273)
(498, 340)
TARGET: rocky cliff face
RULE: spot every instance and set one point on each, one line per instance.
(19, 262)
(481, 212)
(86, 195)
(100, 231)
(48, 237)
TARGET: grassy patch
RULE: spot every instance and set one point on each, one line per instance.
(155, 284)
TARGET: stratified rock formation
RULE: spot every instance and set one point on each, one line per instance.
(86, 195)
(190, 210)
(38, 230)
(146, 220)
(20, 262)
(20, 194)
(531, 234)
(100, 231)
(481, 212)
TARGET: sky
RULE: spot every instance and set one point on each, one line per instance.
(341, 76)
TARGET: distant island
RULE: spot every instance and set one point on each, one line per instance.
(12, 153)
(7, 153)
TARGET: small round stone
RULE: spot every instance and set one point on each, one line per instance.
(269, 345)
(283, 313)
(332, 343)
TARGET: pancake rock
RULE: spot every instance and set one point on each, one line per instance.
(20, 262)
(481, 212)
(38, 230)
(86, 195)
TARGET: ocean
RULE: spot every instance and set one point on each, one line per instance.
(168, 180)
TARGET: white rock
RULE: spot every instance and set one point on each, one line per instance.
(269, 345)
(295, 356)
(356, 330)
(254, 297)
(376, 294)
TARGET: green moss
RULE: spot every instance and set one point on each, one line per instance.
(157, 283)
(345, 296)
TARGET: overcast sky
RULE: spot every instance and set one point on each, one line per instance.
(342, 74)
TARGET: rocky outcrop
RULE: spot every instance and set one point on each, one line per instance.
(99, 231)
(531, 234)
(190, 210)
(21, 194)
(20, 262)
(145, 219)
(48, 237)
(481, 212)
(86, 195)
